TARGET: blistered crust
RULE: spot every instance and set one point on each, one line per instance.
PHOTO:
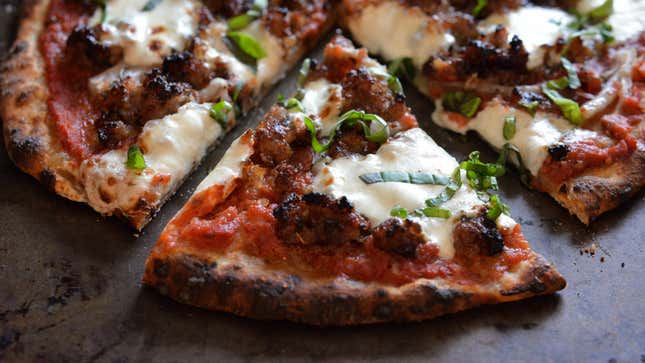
(253, 290)
(602, 189)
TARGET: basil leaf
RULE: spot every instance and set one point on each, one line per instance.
(219, 112)
(151, 5)
(102, 4)
(402, 67)
(505, 152)
(304, 72)
(601, 12)
(509, 127)
(399, 211)
(481, 168)
(481, 4)
(290, 104)
(466, 104)
(242, 21)
(247, 44)
(496, 208)
(450, 190)
(404, 177)
(317, 146)
(570, 109)
(435, 212)
(395, 85)
(560, 83)
(135, 160)
(572, 72)
(531, 106)
(605, 33)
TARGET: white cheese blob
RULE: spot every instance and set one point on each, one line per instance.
(148, 36)
(410, 151)
(172, 146)
(272, 67)
(230, 166)
(627, 18)
(395, 31)
(323, 99)
(103, 81)
(535, 26)
(533, 136)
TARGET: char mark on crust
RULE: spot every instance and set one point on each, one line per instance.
(317, 219)
(84, 48)
(23, 149)
(399, 237)
(477, 236)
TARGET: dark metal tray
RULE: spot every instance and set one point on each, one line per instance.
(70, 285)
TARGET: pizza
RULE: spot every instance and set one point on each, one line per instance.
(558, 87)
(337, 209)
(113, 102)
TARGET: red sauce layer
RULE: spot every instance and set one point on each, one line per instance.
(209, 225)
(69, 104)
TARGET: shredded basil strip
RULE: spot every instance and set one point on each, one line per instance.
(290, 104)
(572, 72)
(464, 103)
(531, 106)
(243, 20)
(151, 5)
(448, 192)
(601, 12)
(135, 160)
(404, 177)
(487, 169)
(481, 4)
(219, 112)
(352, 117)
(395, 85)
(435, 212)
(509, 127)
(402, 67)
(570, 109)
(247, 44)
(558, 84)
(399, 211)
(103, 5)
(496, 208)
(507, 149)
(304, 72)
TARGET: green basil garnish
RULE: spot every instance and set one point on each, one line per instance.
(404, 177)
(219, 112)
(450, 190)
(399, 211)
(509, 127)
(570, 108)
(531, 106)
(102, 4)
(481, 4)
(303, 73)
(402, 67)
(505, 152)
(351, 118)
(435, 212)
(247, 44)
(290, 104)
(496, 208)
(243, 20)
(601, 12)
(135, 160)
(573, 80)
(151, 5)
(464, 103)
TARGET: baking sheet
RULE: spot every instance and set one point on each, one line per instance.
(70, 285)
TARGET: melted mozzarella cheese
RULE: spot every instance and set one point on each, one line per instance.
(148, 36)
(324, 100)
(533, 136)
(410, 151)
(395, 31)
(230, 166)
(535, 26)
(103, 81)
(172, 146)
(271, 67)
(627, 18)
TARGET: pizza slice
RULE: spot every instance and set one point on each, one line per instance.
(113, 102)
(337, 209)
(558, 90)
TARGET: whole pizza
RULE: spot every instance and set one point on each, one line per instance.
(337, 208)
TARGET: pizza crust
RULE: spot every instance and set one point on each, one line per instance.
(248, 288)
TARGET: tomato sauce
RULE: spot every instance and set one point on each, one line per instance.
(68, 102)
